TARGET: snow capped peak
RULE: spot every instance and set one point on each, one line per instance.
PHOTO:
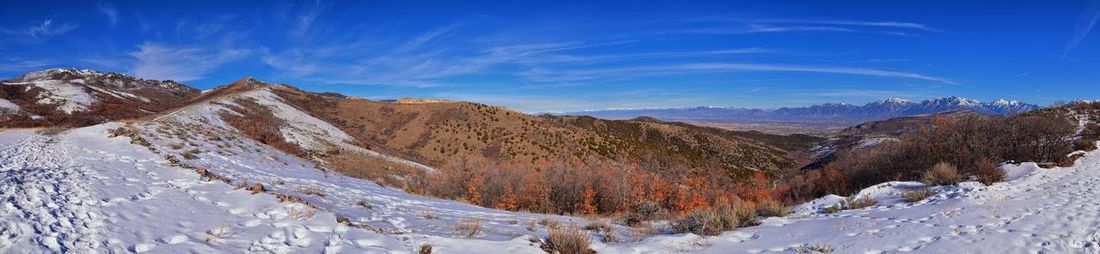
(59, 73)
(893, 101)
(953, 100)
(1003, 102)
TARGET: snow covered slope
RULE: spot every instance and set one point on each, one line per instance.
(80, 191)
(1040, 211)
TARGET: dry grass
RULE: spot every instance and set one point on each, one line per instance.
(851, 203)
(917, 195)
(364, 204)
(311, 191)
(428, 215)
(549, 223)
(599, 226)
(814, 248)
(568, 240)
(297, 212)
(942, 173)
(532, 226)
(216, 234)
(715, 220)
(468, 228)
(771, 208)
(988, 172)
(190, 154)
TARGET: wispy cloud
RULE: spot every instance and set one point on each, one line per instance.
(764, 28)
(883, 24)
(545, 75)
(1084, 25)
(303, 22)
(110, 11)
(21, 65)
(48, 28)
(744, 26)
(157, 61)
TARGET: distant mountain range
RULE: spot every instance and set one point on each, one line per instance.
(829, 112)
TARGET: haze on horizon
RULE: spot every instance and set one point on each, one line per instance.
(539, 57)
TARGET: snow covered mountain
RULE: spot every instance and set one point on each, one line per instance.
(80, 97)
(829, 112)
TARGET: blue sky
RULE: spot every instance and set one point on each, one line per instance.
(565, 56)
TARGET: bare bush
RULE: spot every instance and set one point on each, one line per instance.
(814, 248)
(771, 208)
(851, 203)
(425, 249)
(917, 195)
(468, 228)
(599, 226)
(942, 173)
(216, 234)
(311, 191)
(988, 172)
(645, 211)
(549, 223)
(568, 240)
(715, 220)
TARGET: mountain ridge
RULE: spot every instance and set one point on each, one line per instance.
(827, 112)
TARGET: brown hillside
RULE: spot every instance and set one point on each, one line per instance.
(438, 134)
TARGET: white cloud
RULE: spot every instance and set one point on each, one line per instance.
(546, 75)
(157, 61)
(110, 11)
(884, 24)
(304, 21)
(765, 28)
(48, 28)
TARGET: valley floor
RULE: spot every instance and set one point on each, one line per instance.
(82, 192)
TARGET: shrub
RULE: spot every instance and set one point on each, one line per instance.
(549, 223)
(216, 234)
(645, 211)
(715, 220)
(1067, 161)
(468, 228)
(312, 191)
(989, 173)
(190, 154)
(599, 226)
(426, 249)
(851, 203)
(771, 208)
(814, 248)
(1084, 145)
(364, 204)
(917, 195)
(568, 240)
(942, 173)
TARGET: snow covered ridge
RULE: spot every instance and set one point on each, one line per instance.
(839, 112)
(60, 96)
(312, 135)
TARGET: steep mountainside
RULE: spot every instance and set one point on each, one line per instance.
(441, 133)
(72, 97)
(824, 113)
